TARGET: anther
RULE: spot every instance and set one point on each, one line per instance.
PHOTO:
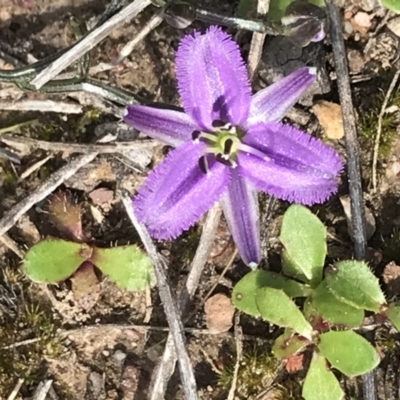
(218, 123)
(196, 135)
(203, 164)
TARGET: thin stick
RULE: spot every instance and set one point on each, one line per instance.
(353, 160)
(166, 366)
(154, 21)
(42, 390)
(257, 41)
(169, 304)
(379, 129)
(15, 391)
(239, 351)
(30, 170)
(62, 107)
(55, 180)
(10, 244)
(89, 42)
(89, 148)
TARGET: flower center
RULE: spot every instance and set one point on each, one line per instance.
(223, 142)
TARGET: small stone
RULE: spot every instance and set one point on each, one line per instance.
(101, 195)
(391, 276)
(130, 381)
(219, 312)
(330, 117)
(119, 356)
(97, 383)
(361, 22)
(356, 61)
(106, 353)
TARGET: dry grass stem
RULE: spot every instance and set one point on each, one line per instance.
(89, 42)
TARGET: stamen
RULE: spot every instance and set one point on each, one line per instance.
(203, 164)
(209, 136)
(251, 150)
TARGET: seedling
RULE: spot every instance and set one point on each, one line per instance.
(54, 260)
(336, 298)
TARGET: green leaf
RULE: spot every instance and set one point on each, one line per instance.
(353, 283)
(335, 311)
(244, 292)
(246, 8)
(277, 9)
(304, 237)
(348, 352)
(288, 344)
(393, 5)
(54, 260)
(320, 382)
(126, 266)
(393, 313)
(276, 306)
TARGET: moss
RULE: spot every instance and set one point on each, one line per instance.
(257, 373)
(45, 132)
(368, 124)
(22, 319)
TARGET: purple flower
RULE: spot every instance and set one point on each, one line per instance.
(228, 145)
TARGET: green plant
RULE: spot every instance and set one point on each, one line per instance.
(369, 120)
(54, 260)
(336, 297)
(28, 334)
(392, 5)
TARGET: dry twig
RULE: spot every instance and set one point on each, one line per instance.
(15, 391)
(55, 180)
(166, 366)
(239, 351)
(169, 303)
(155, 20)
(257, 41)
(89, 42)
(24, 143)
(379, 129)
(353, 160)
(42, 390)
(61, 107)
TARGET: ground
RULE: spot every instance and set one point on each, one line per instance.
(108, 348)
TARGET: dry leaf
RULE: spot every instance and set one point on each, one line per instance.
(219, 313)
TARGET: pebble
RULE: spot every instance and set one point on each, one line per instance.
(119, 356)
(361, 22)
(330, 118)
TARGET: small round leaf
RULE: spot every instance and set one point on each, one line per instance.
(320, 382)
(275, 306)
(353, 283)
(127, 266)
(244, 292)
(335, 311)
(348, 352)
(54, 260)
(304, 237)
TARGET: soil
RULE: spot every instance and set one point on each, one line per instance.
(109, 348)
